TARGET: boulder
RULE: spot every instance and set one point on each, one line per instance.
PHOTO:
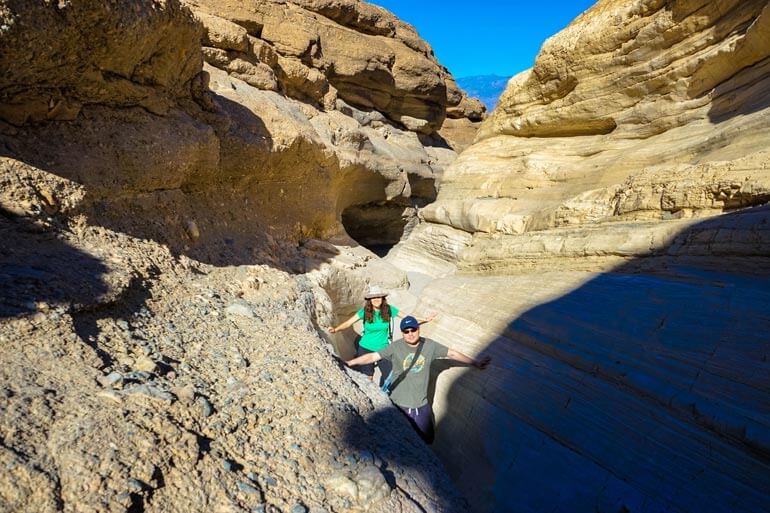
(51, 70)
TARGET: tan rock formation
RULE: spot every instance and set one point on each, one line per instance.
(459, 133)
(352, 50)
(151, 355)
(459, 105)
(653, 113)
(245, 145)
(464, 116)
(51, 70)
(606, 241)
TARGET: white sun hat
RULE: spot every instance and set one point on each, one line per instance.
(375, 291)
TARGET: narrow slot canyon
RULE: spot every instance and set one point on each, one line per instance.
(570, 353)
(182, 220)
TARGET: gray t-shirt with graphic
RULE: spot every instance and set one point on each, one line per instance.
(412, 390)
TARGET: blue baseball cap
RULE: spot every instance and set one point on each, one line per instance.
(409, 322)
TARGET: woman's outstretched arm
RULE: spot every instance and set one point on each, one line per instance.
(345, 325)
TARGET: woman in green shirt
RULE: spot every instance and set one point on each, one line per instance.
(376, 315)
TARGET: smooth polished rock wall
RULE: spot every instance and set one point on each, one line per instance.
(643, 386)
(606, 241)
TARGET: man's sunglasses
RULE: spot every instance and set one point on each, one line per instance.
(408, 330)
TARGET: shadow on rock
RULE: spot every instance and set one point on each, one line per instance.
(385, 439)
(646, 388)
(39, 270)
(740, 95)
(204, 184)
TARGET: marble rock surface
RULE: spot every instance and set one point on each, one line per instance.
(606, 240)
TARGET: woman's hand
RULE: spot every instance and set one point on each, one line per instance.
(423, 320)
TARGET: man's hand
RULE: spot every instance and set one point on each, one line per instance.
(482, 363)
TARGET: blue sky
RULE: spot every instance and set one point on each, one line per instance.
(486, 37)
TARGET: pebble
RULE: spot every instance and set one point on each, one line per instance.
(206, 408)
(152, 392)
(145, 364)
(343, 485)
(240, 309)
(191, 227)
(366, 457)
(111, 379)
(248, 488)
(135, 484)
(371, 483)
(185, 393)
(110, 395)
(138, 375)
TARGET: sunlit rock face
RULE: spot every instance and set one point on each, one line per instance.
(637, 110)
(277, 116)
(607, 240)
(326, 50)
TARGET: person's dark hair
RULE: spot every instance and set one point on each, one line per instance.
(369, 310)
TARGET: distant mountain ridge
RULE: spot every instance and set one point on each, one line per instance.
(486, 88)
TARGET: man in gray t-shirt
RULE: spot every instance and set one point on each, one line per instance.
(411, 358)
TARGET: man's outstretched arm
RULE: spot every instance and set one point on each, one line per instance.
(457, 356)
(364, 359)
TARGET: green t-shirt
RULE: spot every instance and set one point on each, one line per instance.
(412, 390)
(375, 335)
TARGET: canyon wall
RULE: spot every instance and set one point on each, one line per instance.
(606, 240)
(283, 122)
(162, 168)
(180, 185)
